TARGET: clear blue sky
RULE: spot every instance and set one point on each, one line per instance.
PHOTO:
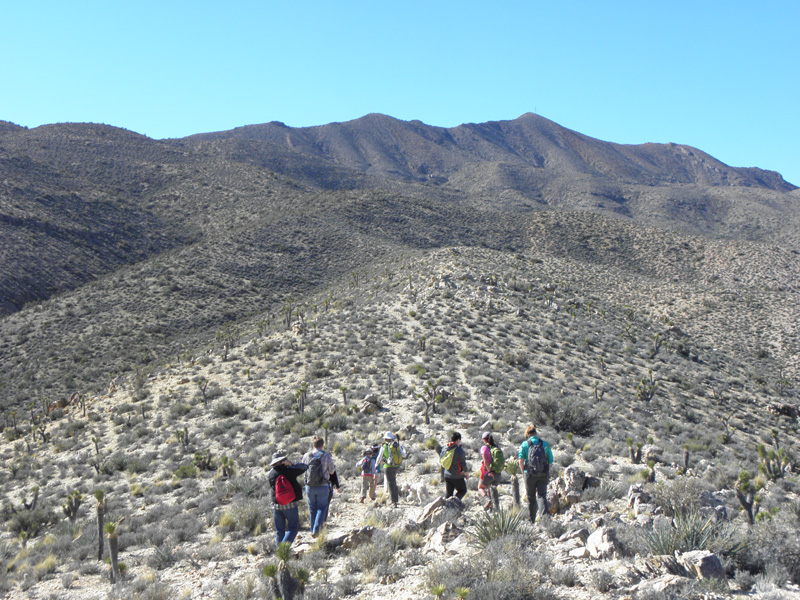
(721, 76)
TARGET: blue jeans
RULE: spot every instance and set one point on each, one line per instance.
(287, 524)
(317, 506)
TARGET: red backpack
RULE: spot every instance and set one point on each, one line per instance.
(284, 492)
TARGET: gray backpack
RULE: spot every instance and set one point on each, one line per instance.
(537, 458)
(314, 475)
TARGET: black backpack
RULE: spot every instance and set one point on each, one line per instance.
(537, 458)
(314, 475)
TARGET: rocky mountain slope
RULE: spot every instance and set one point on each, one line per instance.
(168, 303)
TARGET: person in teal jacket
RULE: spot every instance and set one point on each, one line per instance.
(535, 458)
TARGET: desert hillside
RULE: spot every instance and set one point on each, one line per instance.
(177, 311)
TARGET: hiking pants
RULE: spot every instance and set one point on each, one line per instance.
(317, 506)
(287, 523)
(368, 486)
(536, 487)
(391, 480)
(459, 486)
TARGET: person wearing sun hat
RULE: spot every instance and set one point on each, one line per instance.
(286, 496)
(390, 457)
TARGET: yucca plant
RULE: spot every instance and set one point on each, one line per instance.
(692, 531)
(497, 524)
(512, 468)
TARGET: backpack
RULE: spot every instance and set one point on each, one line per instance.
(447, 458)
(366, 466)
(314, 475)
(498, 460)
(284, 492)
(537, 459)
(392, 456)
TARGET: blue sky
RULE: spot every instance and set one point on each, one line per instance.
(720, 76)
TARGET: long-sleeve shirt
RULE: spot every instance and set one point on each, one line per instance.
(371, 467)
(291, 472)
(459, 464)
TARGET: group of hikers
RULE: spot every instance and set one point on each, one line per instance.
(535, 457)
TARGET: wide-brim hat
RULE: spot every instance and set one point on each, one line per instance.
(388, 435)
(277, 458)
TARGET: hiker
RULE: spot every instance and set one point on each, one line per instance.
(368, 468)
(286, 495)
(320, 475)
(454, 468)
(391, 457)
(535, 458)
(492, 464)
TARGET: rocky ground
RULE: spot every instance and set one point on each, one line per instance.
(497, 341)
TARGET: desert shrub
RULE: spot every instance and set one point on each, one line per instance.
(601, 580)
(606, 491)
(142, 588)
(225, 409)
(682, 495)
(246, 517)
(30, 522)
(562, 414)
(163, 557)
(772, 543)
(509, 568)
(692, 531)
(565, 576)
(246, 486)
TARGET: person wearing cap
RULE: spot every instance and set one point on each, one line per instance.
(388, 460)
(367, 467)
(286, 516)
(455, 477)
(487, 487)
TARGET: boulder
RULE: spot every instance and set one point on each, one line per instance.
(582, 534)
(582, 552)
(566, 490)
(437, 511)
(652, 452)
(660, 564)
(703, 564)
(602, 543)
(642, 508)
(439, 540)
(351, 540)
(667, 585)
(636, 493)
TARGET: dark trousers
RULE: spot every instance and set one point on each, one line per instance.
(536, 487)
(459, 486)
(391, 480)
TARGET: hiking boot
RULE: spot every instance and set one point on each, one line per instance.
(488, 506)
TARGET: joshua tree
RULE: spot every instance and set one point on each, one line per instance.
(301, 395)
(101, 515)
(746, 495)
(202, 385)
(113, 550)
(636, 454)
(71, 505)
(647, 387)
(512, 468)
